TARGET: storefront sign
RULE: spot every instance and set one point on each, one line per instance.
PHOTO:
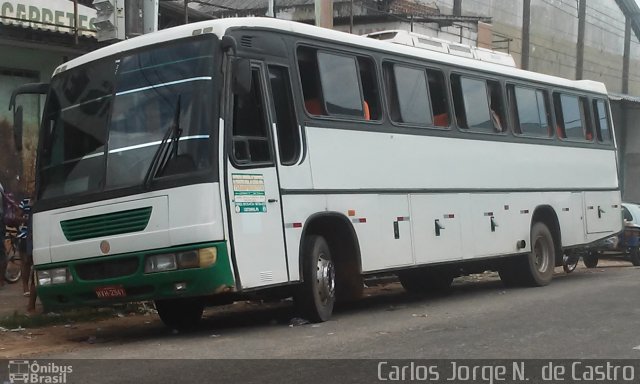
(41, 14)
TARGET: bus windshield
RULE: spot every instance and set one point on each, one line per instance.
(105, 121)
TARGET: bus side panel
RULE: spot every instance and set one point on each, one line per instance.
(396, 235)
(366, 223)
(490, 215)
(437, 229)
(603, 211)
(569, 209)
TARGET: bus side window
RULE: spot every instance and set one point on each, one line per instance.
(603, 128)
(310, 81)
(286, 124)
(410, 98)
(530, 111)
(370, 92)
(587, 117)
(438, 97)
(571, 117)
(340, 85)
(559, 123)
(471, 101)
(496, 106)
(250, 136)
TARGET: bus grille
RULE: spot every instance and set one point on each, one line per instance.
(107, 269)
(116, 223)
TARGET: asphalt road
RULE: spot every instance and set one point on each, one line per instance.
(590, 314)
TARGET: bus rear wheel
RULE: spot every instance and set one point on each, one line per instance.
(182, 314)
(316, 296)
(536, 268)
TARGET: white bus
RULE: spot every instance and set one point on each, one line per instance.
(260, 156)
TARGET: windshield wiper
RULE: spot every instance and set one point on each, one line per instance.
(163, 153)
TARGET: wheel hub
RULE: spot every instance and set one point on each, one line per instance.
(326, 279)
(541, 254)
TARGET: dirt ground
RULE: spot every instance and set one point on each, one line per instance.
(25, 342)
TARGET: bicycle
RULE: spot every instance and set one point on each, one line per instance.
(13, 243)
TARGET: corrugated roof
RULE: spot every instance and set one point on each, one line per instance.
(624, 97)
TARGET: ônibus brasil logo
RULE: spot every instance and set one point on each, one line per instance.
(32, 372)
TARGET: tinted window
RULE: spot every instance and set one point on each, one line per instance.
(602, 121)
(370, 91)
(76, 130)
(409, 85)
(286, 124)
(472, 104)
(340, 85)
(531, 117)
(160, 90)
(121, 108)
(438, 96)
(571, 117)
(250, 134)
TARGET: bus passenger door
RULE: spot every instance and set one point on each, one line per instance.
(257, 237)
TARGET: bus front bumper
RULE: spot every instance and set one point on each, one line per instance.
(93, 282)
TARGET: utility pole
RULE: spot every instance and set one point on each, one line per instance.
(526, 29)
(186, 11)
(351, 18)
(75, 21)
(582, 15)
(271, 12)
(324, 13)
(626, 58)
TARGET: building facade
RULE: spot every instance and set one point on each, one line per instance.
(35, 37)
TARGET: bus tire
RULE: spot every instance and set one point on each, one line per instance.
(316, 296)
(422, 281)
(537, 268)
(182, 314)
(590, 260)
(634, 256)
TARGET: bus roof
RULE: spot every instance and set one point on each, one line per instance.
(220, 26)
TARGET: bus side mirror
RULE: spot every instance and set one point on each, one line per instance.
(18, 112)
(241, 76)
(17, 127)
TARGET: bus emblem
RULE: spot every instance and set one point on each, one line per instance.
(105, 247)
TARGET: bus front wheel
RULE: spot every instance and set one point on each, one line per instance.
(316, 296)
(182, 314)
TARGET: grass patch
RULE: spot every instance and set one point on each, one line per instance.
(81, 315)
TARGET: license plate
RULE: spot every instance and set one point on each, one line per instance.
(111, 291)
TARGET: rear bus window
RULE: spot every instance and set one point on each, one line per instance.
(571, 117)
(603, 127)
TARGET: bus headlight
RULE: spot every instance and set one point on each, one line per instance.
(188, 260)
(207, 256)
(160, 263)
(54, 276)
(197, 258)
